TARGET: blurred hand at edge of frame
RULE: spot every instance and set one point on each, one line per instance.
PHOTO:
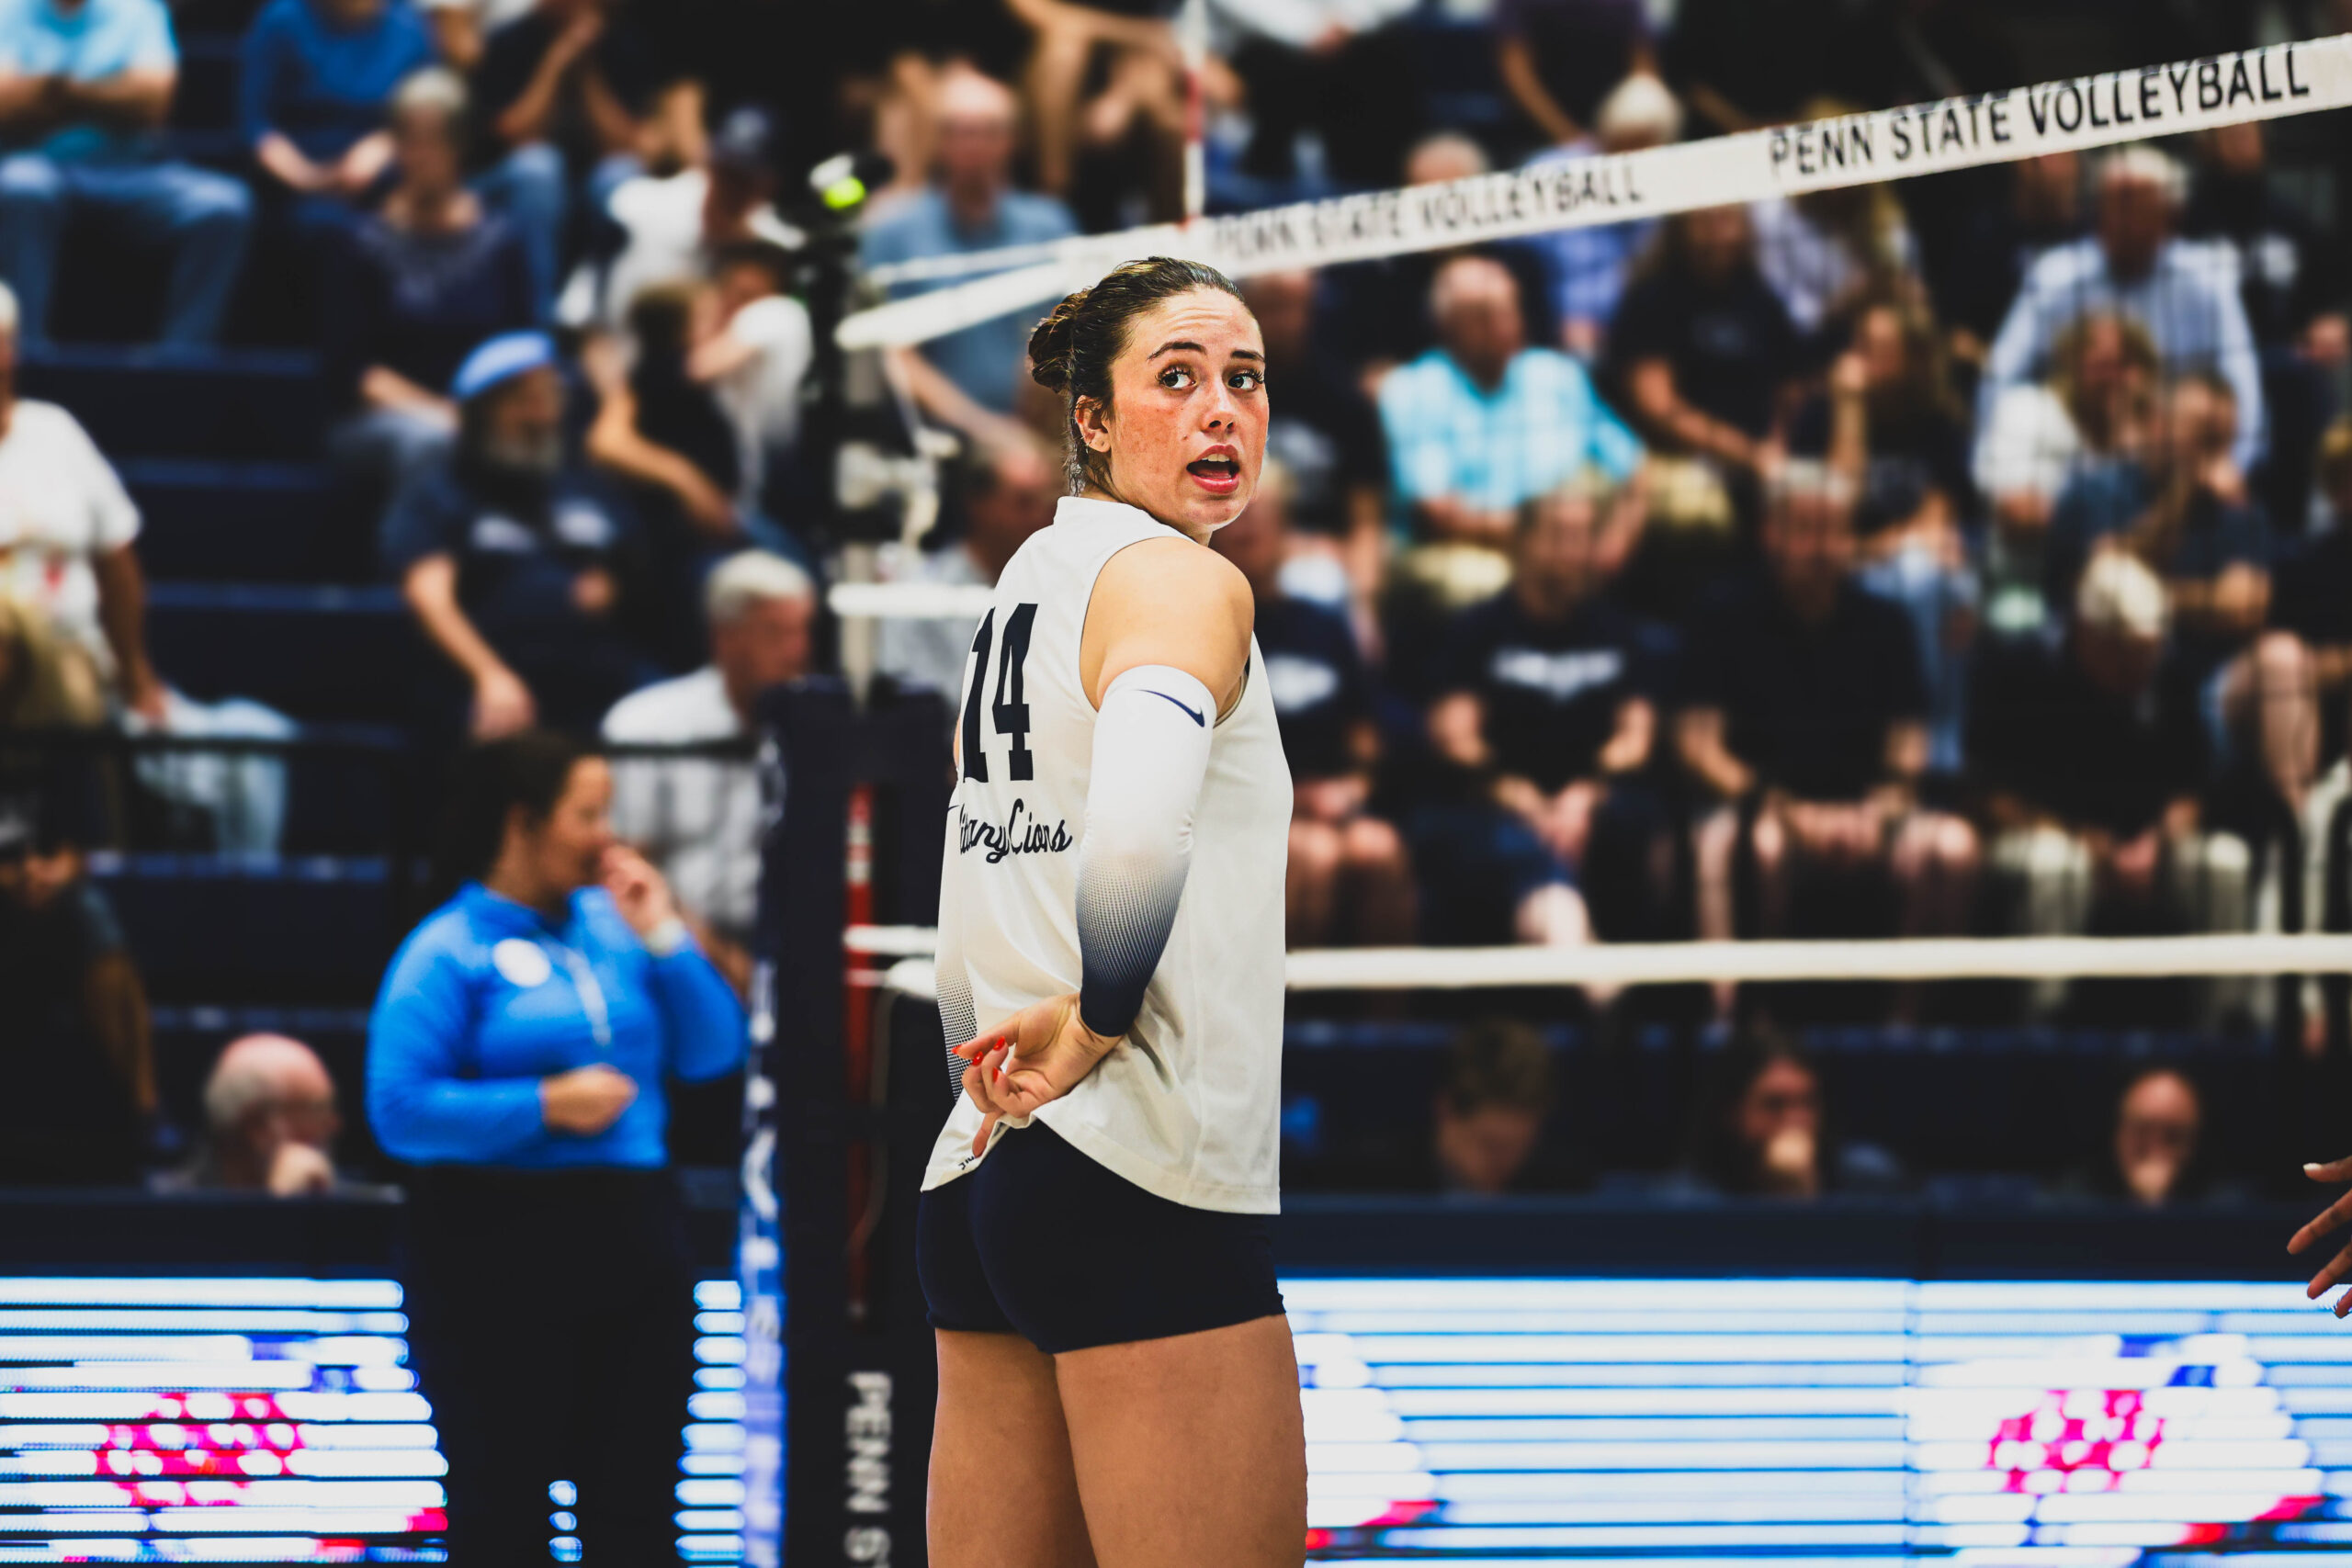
(2332, 1218)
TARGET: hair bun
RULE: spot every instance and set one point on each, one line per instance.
(1049, 343)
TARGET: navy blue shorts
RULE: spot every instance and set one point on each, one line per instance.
(1042, 1241)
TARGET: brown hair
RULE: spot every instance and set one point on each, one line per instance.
(1498, 1062)
(1073, 350)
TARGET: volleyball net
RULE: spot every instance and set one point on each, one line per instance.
(2072, 115)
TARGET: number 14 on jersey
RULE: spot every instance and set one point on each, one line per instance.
(1010, 711)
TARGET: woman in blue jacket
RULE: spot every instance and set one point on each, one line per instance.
(516, 1058)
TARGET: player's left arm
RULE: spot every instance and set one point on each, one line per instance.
(1164, 656)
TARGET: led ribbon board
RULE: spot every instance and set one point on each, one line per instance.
(1637, 1424)
(1857, 1422)
(275, 1420)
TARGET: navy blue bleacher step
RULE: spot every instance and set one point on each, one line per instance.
(206, 97)
(237, 929)
(310, 652)
(247, 405)
(212, 522)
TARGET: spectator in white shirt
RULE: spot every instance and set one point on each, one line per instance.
(68, 546)
(756, 359)
(675, 224)
(2096, 407)
(2185, 294)
(67, 529)
(698, 818)
(1009, 491)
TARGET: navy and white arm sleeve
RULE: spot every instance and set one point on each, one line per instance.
(1151, 753)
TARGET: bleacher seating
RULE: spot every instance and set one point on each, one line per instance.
(242, 404)
(214, 522)
(2032, 1101)
(218, 929)
(314, 652)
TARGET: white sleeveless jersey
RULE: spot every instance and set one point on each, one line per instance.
(1187, 1105)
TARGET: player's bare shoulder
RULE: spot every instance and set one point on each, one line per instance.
(1168, 601)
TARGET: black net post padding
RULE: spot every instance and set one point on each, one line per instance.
(855, 1411)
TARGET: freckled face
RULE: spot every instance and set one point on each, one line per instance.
(1185, 432)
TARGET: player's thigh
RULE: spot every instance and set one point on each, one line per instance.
(1191, 1451)
(1002, 1494)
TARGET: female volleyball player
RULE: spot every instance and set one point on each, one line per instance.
(1116, 1383)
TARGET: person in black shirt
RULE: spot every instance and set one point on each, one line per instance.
(1976, 275)
(2290, 275)
(1547, 711)
(1701, 352)
(2184, 508)
(1804, 697)
(1744, 63)
(419, 284)
(1348, 880)
(1558, 59)
(1764, 1128)
(74, 1044)
(2312, 589)
(2092, 768)
(1325, 433)
(567, 90)
(1888, 421)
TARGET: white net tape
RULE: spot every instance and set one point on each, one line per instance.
(1684, 963)
(909, 600)
(1860, 149)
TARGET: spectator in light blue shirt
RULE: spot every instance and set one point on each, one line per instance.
(970, 380)
(1483, 424)
(516, 1058)
(2185, 294)
(88, 83)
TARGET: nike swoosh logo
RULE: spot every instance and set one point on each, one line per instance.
(1192, 714)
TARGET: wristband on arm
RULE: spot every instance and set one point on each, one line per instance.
(1151, 753)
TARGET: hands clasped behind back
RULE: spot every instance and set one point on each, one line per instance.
(1033, 1057)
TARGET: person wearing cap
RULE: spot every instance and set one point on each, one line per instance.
(513, 554)
(2137, 266)
(2092, 768)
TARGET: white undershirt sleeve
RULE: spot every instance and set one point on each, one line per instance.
(1151, 753)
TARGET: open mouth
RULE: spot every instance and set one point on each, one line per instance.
(1219, 472)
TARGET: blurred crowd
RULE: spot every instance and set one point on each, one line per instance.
(1962, 556)
(1956, 556)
